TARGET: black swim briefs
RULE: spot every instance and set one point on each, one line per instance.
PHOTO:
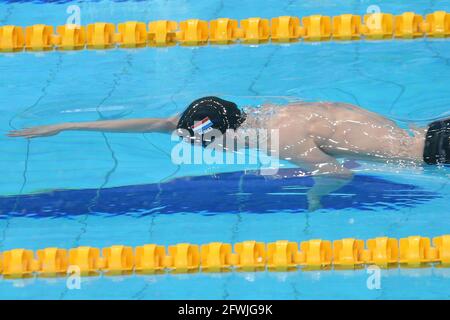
(437, 143)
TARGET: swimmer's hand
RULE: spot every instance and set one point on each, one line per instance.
(35, 132)
(313, 202)
(326, 184)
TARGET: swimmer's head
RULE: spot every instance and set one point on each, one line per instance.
(208, 113)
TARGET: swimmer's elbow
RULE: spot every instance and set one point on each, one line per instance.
(342, 172)
(345, 173)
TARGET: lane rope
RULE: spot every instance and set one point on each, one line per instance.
(224, 31)
(282, 255)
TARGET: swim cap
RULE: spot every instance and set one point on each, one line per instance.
(208, 113)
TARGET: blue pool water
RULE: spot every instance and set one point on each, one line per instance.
(84, 188)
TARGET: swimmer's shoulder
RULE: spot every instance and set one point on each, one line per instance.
(301, 112)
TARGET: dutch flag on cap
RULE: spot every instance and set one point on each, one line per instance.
(202, 126)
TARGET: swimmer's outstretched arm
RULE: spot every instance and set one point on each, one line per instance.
(163, 125)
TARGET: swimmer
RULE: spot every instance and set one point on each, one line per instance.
(311, 135)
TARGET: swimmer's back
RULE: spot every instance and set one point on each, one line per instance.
(341, 129)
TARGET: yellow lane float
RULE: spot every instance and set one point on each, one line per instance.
(11, 39)
(162, 33)
(223, 31)
(38, 37)
(285, 29)
(346, 27)
(316, 28)
(100, 35)
(193, 32)
(254, 31)
(437, 24)
(408, 26)
(70, 37)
